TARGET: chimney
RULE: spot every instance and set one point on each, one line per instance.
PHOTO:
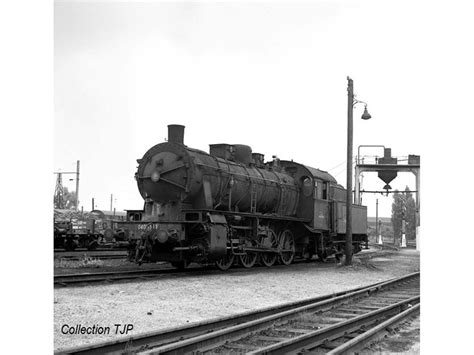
(175, 133)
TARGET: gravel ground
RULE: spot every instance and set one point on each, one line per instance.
(156, 304)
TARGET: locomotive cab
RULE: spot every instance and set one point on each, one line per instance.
(322, 204)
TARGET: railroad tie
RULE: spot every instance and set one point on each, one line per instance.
(246, 347)
(341, 315)
(353, 311)
(328, 345)
(312, 325)
(270, 338)
(295, 330)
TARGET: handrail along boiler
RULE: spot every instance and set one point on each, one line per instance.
(229, 205)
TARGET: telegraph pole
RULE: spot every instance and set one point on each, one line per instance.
(351, 102)
(77, 186)
(350, 107)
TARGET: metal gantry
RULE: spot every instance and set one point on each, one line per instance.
(59, 191)
(392, 169)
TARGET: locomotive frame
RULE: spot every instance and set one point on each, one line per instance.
(229, 205)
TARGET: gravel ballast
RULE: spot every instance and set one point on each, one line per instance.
(156, 304)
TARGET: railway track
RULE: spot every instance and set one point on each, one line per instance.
(97, 277)
(389, 246)
(383, 247)
(69, 279)
(85, 250)
(335, 324)
(103, 255)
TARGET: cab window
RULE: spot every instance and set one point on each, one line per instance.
(307, 186)
(318, 189)
(324, 190)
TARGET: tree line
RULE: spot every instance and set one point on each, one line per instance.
(68, 201)
(404, 207)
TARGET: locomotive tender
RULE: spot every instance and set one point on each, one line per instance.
(229, 205)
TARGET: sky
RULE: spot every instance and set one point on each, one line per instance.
(269, 75)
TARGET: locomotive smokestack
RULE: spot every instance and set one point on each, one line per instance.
(175, 133)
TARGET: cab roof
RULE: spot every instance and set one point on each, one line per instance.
(320, 174)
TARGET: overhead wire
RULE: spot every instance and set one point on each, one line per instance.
(344, 169)
(343, 162)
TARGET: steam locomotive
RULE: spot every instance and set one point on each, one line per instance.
(229, 205)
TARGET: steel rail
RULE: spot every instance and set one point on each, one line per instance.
(131, 274)
(97, 250)
(94, 256)
(318, 337)
(165, 336)
(100, 257)
(372, 334)
(385, 245)
(115, 275)
(216, 338)
(69, 279)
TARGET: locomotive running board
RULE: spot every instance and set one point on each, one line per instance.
(250, 215)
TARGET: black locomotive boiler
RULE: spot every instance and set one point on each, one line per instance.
(229, 205)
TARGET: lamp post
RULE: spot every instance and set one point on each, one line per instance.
(351, 102)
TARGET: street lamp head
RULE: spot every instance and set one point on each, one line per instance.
(366, 115)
